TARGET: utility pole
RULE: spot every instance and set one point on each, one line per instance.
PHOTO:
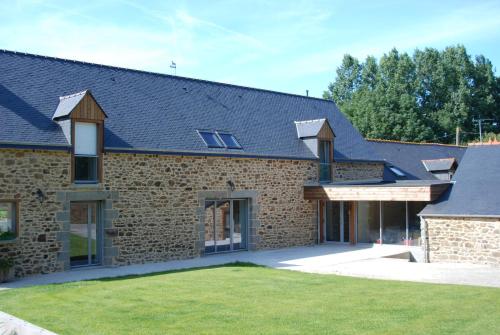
(479, 122)
(457, 136)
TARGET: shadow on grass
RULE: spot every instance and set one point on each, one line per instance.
(152, 274)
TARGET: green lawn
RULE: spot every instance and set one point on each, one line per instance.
(244, 299)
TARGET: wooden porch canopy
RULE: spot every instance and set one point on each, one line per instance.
(419, 190)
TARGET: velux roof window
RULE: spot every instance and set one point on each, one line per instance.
(229, 141)
(211, 139)
(397, 171)
(215, 139)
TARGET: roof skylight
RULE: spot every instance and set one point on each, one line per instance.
(229, 140)
(211, 139)
(216, 139)
(397, 171)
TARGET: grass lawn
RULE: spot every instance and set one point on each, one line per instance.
(245, 299)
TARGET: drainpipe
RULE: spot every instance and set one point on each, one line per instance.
(425, 238)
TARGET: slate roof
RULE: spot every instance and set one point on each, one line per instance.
(408, 157)
(155, 112)
(475, 188)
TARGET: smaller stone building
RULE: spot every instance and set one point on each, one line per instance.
(463, 225)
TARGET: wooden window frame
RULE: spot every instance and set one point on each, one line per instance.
(99, 149)
(15, 202)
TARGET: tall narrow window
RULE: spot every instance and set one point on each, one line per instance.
(325, 161)
(85, 149)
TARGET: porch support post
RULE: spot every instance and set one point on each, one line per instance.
(407, 221)
(381, 221)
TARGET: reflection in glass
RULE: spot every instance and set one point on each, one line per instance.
(394, 222)
(83, 234)
(240, 219)
(369, 222)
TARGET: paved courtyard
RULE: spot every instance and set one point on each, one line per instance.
(359, 261)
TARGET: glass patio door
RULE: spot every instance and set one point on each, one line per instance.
(337, 217)
(85, 237)
(226, 225)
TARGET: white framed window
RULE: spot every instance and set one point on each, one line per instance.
(85, 150)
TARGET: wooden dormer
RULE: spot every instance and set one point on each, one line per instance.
(319, 137)
(81, 118)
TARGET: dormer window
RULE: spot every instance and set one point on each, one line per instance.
(81, 119)
(85, 149)
(325, 161)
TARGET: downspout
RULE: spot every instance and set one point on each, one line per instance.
(425, 238)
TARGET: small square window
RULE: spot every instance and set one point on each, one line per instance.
(229, 141)
(8, 221)
(211, 139)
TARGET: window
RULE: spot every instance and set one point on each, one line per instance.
(8, 220)
(211, 139)
(219, 140)
(325, 161)
(397, 171)
(229, 141)
(85, 149)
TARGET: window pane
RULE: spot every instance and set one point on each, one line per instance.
(85, 139)
(7, 221)
(240, 219)
(222, 226)
(333, 221)
(324, 152)
(368, 222)
(85, 168)
(394, 227)
(230, 141)
(210, 139)
(414, 207)
(325, 172)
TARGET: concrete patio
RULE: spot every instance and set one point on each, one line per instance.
(367, 261)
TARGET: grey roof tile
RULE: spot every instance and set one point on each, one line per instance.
(408, 157)
(475, 188)
(150, 111)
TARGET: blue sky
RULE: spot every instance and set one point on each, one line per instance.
(287, 46)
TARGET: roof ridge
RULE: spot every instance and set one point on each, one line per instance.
(73, 95)
(416, 143)
(160, 74)
(310, 121)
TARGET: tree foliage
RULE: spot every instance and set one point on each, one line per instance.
(422, 97)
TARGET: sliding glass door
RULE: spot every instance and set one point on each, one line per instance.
(337, 218)
(226, 225)
(85, 234)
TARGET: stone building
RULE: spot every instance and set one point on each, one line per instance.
(108, 166)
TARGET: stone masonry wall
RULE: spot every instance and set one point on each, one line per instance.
(150, 204)
(467, 240)
(22, 173)
(158, 201)
(344, 171)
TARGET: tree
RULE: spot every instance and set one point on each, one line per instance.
(422, 97)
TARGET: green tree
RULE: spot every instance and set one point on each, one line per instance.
(422, 97)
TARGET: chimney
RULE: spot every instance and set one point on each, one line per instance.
(307, 93)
